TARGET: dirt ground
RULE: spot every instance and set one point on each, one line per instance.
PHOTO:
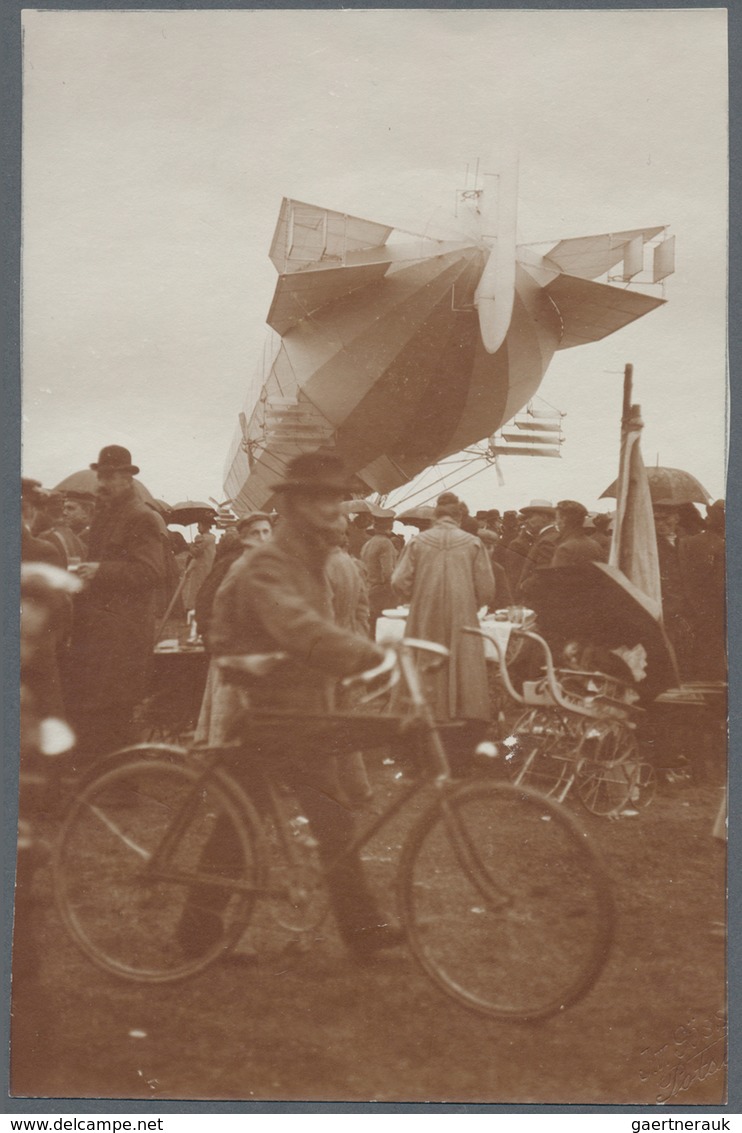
(305, 1024)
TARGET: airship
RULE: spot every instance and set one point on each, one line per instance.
(395, 350)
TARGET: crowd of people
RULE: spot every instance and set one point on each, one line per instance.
(300, 592)
(134, 570)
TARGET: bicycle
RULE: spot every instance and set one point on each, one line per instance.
(578, 730)
(505, 905)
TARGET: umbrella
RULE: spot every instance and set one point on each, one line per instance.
(190, 511)
(365, 507)
(596, 604)
(422, 514)
(87, 481)
(670, 486)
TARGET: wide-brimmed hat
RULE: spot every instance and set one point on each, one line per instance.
(79, 497)
(538, 505)
(315, 472)
(114, 458)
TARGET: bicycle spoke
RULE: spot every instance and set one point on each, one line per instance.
(111, 825)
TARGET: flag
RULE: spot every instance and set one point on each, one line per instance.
(634, 543)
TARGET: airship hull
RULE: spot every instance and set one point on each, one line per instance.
(382, 359)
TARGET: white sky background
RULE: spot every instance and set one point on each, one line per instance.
(158, 146)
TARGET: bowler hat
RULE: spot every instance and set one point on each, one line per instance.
(114, 458)
(315, 472)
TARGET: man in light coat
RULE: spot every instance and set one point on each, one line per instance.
(446, 576)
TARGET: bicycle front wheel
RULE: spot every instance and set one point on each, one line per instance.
(156, 868)
(506, 906)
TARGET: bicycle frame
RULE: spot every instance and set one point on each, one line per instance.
(161, 860)
(439, 769)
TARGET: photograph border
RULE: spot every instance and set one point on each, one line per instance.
(10, 210)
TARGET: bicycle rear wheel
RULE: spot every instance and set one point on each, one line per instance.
(506, 906)
(156, 868)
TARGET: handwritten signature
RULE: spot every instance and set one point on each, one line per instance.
(696, 1051)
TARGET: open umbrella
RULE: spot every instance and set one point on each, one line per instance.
(365, 507)
(670, 486)
(87, 481)
(190, 511)
(596, 604)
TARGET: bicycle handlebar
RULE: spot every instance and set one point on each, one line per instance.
(261, 664)
(386, 665)
(389, 663)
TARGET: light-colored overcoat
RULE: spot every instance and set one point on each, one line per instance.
(446, 576)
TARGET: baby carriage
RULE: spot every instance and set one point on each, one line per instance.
(578, 727)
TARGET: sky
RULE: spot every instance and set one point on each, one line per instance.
(157, 147)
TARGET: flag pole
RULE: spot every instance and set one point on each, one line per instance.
(628, 382)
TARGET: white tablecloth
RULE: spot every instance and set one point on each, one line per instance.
(390, 627)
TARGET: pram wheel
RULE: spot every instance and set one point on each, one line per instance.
(607, 774)
(540, 753)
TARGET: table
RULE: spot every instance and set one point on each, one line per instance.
(390, 627)
(686, 729)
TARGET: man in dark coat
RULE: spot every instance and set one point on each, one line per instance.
(278, 599)
(379, 557)
(574, 544)
(537, 516)
(114, 622)
(677, 608)
(72, 531)
(533, 547)
(702, 560)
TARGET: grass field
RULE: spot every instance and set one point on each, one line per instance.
(302, 1022)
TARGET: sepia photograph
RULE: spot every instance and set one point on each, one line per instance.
(373, 636)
